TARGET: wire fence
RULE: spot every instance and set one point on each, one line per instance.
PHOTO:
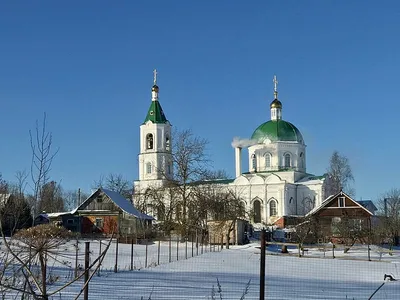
(176, 268)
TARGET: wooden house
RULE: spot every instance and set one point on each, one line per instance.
(339, 217)
(104, 212)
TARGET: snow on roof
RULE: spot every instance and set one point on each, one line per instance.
(125, 205)
(121, 202)
(58, 214)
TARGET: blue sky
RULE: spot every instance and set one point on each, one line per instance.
(88, 65)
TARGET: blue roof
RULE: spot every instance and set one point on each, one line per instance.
(366, 203)
(120, 202)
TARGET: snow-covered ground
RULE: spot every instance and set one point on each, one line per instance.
(287, 276)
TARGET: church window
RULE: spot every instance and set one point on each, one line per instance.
(167, 144)
(301, 161)
(272, 208)
(268, 160)
(257, 211)
(149, 141)
(148, 168)
(287, 160)
(169, 168)
(254, 162)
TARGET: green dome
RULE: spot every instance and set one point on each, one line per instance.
(277, 130)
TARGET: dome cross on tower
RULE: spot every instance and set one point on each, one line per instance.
(155, 88)
(276, 105)
(275, 81)
(155, 76)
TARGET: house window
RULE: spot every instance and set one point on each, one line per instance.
(272, 208)
(257, 211)
(267, 160)
(254, 162)
(99, 222)
(341, 201)
(149, 141)
(167, 144)
(70, 221)
(148, 168)
(287, 160)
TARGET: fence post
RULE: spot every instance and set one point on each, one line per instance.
(299, 246)
(169, 251)
(209, 241)
(369, 239)
(76, 258)
(86, 290)
(186, 247)
(192, 244)
(116, 257)
(202, 244)
(98, 271)
(145, 263)
(177, 249)
(158, 252)
(132, 254)
(197, 243)
(333, 250)
(262, 266)
(222, 242)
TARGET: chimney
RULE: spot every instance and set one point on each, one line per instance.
(238, 161)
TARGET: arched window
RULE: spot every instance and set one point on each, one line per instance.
(169, 168)
(167, 144)
(148, 168)
(287, 160)
(257, 211)
(149, 141)
(254, 162)
(268, 160)
(272, 208)
(301, 160)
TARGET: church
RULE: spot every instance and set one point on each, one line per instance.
(277, 184)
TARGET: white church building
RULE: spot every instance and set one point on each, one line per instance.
(275, 186)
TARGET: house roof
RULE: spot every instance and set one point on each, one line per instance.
(367, 203)
(119, 201)
(328, 200)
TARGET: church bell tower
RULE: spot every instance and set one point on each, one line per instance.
(155, 157)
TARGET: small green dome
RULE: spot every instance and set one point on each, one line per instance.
(277, 130)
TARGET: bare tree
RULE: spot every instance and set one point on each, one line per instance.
(191, 164)
(226, 208)
(339, 176)
(42, 158)
(3, 185)
(73, 198)
(15, 212)
(115, 182)
(389, 206)
(350, 229)
(27, 269)
(51, 198)
(21, 182)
